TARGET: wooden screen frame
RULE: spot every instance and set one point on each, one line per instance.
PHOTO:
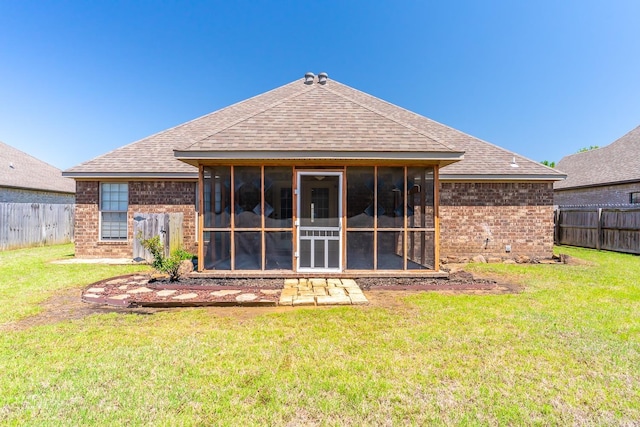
(344, 230)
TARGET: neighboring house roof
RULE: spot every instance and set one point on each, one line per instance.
(618, 162)
(307, 121)
(20, 170)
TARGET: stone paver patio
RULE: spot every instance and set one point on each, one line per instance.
(298, 292)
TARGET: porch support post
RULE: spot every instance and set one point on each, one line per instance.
(294, 219)
(405, 240)
(436, 217)
(200, 235)
(375, 217)
(343, 221)
(263, 237)
(232, 209)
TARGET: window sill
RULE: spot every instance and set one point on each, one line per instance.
(113, 242)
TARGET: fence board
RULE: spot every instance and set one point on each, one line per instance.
(611, 228)
(24, 225)
(147, 225)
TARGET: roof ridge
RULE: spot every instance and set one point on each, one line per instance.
(386, 116)
(259, 111)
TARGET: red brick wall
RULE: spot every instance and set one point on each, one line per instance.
(516, 214)
(144, 197)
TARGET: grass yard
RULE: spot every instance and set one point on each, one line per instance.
(564, 351)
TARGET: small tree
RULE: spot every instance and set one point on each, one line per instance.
(169, 265)
(548, 163)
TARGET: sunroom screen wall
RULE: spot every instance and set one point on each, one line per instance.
(230, 235)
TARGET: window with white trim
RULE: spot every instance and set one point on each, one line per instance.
(114, 201)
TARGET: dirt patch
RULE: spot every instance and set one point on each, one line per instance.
(66, 305)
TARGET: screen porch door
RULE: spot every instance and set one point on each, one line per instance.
(319, 221)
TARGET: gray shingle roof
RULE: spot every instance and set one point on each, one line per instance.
(309, 118)
(20, 170)
(617, 162)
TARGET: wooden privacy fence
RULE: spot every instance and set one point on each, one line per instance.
(24, 225)
(166, 225)
(610, 228)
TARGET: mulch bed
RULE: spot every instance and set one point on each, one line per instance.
(202, 287)
(459, 281)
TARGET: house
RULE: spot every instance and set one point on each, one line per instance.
(36, 201)
(607, 175)
(25, 179)
(317, 177)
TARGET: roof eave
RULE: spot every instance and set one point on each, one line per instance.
(135, 175)
(599, 184)
(441, 157)
(502, 177)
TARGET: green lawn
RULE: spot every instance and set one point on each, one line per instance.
(564, 351)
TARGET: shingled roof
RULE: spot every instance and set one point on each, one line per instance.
(306, 121)
(20, 170)
(618, 162)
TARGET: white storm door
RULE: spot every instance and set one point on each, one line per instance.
(319, 221)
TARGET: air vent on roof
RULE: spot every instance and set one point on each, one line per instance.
(308, 78)
(322, 78)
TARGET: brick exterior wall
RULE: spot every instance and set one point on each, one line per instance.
(21, 195)
(516, 214)
(144, 197)
(605, 195)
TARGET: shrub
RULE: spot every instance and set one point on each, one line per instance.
(169, 265)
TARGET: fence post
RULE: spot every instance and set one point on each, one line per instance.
(599, 237)
(556, 226)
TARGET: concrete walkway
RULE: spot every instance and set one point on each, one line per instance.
(300, 292)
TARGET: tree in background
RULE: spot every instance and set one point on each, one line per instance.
(589, 148)
(548, 163)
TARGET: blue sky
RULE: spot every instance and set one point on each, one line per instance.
(541, 78)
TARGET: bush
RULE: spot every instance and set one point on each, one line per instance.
(169, 265)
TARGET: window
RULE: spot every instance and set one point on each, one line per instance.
(635, 198)
(114, 201)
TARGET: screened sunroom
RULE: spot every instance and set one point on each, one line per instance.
(329, 220)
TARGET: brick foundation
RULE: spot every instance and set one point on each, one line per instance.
(144, 197)
(483, 218)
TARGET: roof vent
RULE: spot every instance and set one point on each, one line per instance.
(322, 78)
(513, 163)
(11, 165)
(308, 78)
